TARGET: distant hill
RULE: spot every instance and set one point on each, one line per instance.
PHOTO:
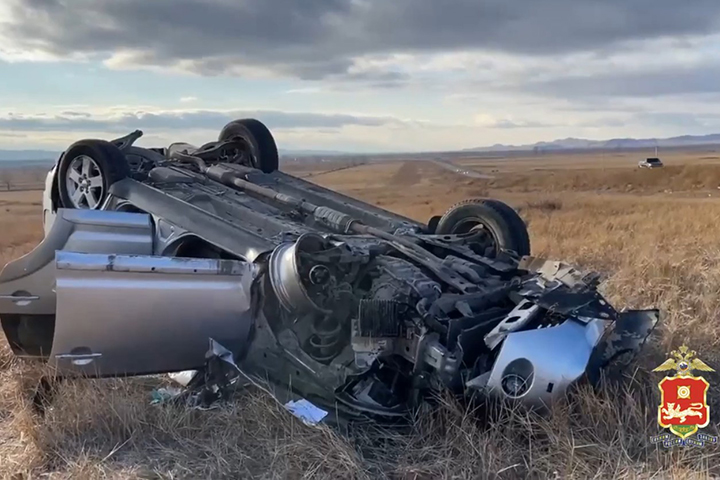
(612, 144)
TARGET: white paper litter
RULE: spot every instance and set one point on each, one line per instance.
(184, 377)
(306, 411)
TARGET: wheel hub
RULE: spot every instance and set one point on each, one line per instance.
(84, 183)
(485, 242)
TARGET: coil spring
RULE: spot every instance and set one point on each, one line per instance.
(325, 341)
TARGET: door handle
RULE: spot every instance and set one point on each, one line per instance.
(78, 359)
(20, 300)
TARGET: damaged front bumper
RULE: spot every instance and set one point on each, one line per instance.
(538, 366)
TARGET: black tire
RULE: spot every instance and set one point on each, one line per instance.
(499, 219)
(264, 152)
(433, 224)
(110, 161)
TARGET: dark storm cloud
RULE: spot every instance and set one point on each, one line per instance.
(315, 39)
(82, 121)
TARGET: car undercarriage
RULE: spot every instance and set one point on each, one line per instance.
(152, 254)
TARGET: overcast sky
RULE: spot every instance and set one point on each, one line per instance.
(362, 75)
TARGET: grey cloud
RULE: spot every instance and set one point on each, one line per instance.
(70, 113)
(386, 79)
(82, 121)
(508, 124)
(649, 83)
(670, 120)
(678, 120)
(214, 35)
(622, 121)
(529, 26)
(315, 39)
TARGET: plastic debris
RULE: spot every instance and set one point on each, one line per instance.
(184, 377)
(306, 411)
(204, 389)
(165, 394)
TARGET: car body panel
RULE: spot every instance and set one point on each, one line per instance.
(49, 208)
(90, 231)
(28, 284)
(120, 314)
(194, 214)
(533, 356)
(234, 220)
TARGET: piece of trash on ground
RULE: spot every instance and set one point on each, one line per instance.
(184, 377)
(205, 389)
(306, 411)
(165, 394)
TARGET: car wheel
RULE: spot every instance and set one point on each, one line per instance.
(502, 227)
(86, 171)
(262, 150)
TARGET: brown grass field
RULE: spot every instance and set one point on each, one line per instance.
(655, 234)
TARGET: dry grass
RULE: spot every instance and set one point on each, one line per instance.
(656, 250)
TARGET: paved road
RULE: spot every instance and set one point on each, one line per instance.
(460, 170)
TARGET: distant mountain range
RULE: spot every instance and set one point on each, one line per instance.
(613, 144)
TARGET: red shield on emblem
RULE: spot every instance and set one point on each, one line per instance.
(683, 405)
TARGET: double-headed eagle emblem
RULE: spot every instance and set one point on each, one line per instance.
(683, 363)
(683, 405)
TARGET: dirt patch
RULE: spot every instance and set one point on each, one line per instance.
(407, 175)
(673, 178)
(13, 203)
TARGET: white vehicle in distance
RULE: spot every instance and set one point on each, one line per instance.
(652, 162)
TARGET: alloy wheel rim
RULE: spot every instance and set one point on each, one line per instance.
(84, 182)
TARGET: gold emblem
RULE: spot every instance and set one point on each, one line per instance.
(683, 406)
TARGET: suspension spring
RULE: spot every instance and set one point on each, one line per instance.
(325, 341)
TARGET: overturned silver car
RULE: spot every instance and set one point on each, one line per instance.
(149, 253)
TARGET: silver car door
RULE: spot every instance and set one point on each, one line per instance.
(27, 284)
(123, 315)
